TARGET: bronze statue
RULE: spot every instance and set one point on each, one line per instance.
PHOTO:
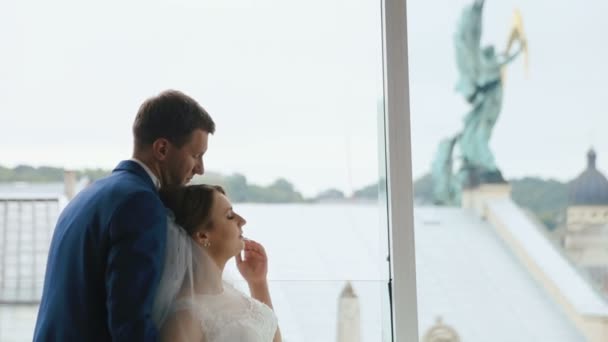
(481, 84)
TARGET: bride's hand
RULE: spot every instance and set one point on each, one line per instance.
(254, 267)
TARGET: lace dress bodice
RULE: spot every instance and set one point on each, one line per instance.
(231, 316)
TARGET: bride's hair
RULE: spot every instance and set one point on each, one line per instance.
(191, 205)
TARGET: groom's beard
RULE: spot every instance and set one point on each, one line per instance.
(168, 178)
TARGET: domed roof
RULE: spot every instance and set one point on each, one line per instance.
(590, 187)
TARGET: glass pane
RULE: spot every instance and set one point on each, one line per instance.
(510, 232)
(295, 89)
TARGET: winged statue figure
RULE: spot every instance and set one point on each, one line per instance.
(480, 82)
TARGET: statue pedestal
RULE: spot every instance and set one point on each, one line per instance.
(475, 198)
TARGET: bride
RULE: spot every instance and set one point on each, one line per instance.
(193, 302)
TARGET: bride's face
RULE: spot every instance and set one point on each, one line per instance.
(225, 235)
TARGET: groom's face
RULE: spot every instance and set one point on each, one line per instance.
(185, 162)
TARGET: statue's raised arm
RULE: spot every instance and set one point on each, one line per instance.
(517, 35)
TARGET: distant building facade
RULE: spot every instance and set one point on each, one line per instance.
(585, 235)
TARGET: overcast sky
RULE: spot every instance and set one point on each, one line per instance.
(293, 86)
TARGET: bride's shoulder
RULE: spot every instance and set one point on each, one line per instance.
(182, 325)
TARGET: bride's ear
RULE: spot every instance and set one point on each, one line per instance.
(201, 238)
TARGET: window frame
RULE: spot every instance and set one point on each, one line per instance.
(404, 317)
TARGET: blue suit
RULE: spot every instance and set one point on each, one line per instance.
(105, 262)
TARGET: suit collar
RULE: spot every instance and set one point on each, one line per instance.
(151, 174)
(133, 167)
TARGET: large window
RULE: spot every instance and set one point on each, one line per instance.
(297, 90)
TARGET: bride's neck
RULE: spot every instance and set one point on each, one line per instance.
(213, 284)
(220, 263)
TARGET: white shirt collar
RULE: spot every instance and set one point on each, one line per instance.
(155, 179)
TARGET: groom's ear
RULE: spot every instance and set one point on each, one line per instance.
(160, 148)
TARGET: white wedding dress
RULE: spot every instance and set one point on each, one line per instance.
(231, 316)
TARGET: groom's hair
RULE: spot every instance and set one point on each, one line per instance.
(172, 115)
(191, 205)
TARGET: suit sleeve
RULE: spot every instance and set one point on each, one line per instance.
(134, 266)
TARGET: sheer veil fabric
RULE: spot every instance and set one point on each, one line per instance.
(177, 273)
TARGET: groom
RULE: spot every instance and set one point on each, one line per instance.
(107, 252)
